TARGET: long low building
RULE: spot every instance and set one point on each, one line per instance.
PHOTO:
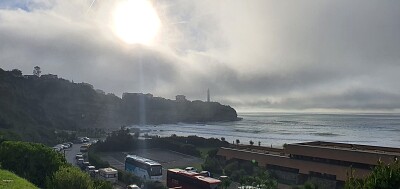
(326, 164)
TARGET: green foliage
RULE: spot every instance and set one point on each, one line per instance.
(129, 178)
(63, 136)
(120, 140)
(263, 181)
(34, 108)
(9, 180)
(94, 159)
(383, 176)
(187, 145)
(213, 153)
(225, 183)
(68, 177)
(307, 185)
(231, 167)
(31, 161)
(213, 165)
(101, 184)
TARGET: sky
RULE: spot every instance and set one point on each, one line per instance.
(255, 55)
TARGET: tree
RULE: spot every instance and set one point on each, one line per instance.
(101, 184)
(16, 72)
(31, 161)
(70, 177)
(226, 182)
(237, 141)
(263, 181)
(383, 176)
(251, 142)
(259, 143)
(120, 140)
(36, 71)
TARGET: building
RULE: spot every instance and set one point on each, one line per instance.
(136, 95)
(180, 98)
(31, 77)
(326, 164)
(49, 76)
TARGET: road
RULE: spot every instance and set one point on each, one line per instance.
(70, 153)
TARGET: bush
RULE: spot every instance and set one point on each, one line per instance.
(34, 162)
(70, 177)
(383, 176)
(128, 178)
(120, 140)
(213, 165)
(95, 160)
(101, 184)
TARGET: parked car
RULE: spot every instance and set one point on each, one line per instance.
(79, 156)
(56, 148)
(91, 170)
(86, 139)
(205, 173)
(191, 169)
(84, 165)
(80, 161)
(67, 145)
(133, 186)
(61, 146)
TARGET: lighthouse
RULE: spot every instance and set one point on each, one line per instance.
(208, 95)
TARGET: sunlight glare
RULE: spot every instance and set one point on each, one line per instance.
(136, 21)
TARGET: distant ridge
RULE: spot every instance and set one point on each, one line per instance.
(33, 107)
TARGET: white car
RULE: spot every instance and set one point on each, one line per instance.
(133, 186)
(191, 169)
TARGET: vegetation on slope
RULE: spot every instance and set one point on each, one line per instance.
(44, 167)
(11, 181)
(34, 162)
(383, 176)
(35, 108)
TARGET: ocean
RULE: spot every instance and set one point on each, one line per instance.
(277, 129)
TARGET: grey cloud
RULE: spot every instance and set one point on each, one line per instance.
(264, 54)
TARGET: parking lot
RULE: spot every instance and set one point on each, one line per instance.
(168, 159)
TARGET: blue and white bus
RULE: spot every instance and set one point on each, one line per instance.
(143, 168)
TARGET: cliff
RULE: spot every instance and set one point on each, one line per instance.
(33, 106)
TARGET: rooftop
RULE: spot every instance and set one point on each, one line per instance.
(353, 147)
(143, 160)
(108, 170)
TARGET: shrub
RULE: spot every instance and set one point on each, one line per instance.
(31, 161)
(70, 177)
(383, 176)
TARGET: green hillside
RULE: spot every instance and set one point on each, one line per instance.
(9, 180)
(35, 108)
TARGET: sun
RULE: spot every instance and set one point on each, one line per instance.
(136, 21)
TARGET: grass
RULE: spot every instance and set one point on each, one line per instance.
(204, 151)
(11, 181)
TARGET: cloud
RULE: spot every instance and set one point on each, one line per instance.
(261, 54)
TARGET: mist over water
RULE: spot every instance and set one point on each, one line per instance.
(277, 129)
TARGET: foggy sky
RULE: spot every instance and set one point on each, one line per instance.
(287, 55)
